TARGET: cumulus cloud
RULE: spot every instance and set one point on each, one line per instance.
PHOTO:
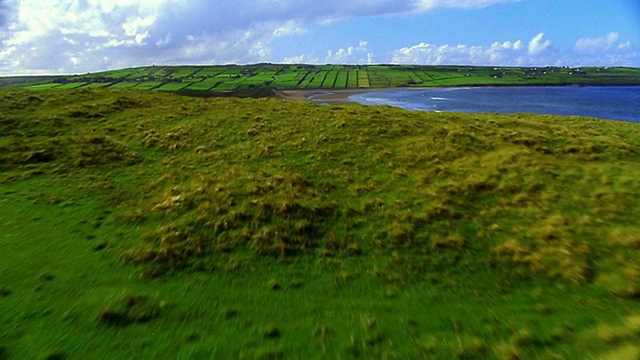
(604, 51)
(498, 53)
(536, 45)
(355, 54)
(301, 59)
(75, 36)
(85, 35)
(350, 55)
(597, 44)
(290, 28)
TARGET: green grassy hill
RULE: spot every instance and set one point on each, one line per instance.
(147, 225)
(234, 78)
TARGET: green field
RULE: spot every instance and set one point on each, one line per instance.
(148, 85)
(71, 85)
(352, 81)
(341, 79)
(42, 86)
(287, 80)
(123, 85)
(363, 79)
(140, 224)
(184, 72)
(94, 85)
(205, 84)
(238, 78)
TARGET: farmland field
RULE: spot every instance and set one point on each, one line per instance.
(288, 80)
(209, 71)
(227, 86)
(148, 85)
(363, 78)
(141, 73)
(172, 86)
(353, 79)
(145, 225)
(95, 85)
(308, 78)
(205, 84)
(317, 80)
(234, 77)
(71, 85)
(184, 72)
(330, 80)
(42, 86)
(123, 85)
(341, 79)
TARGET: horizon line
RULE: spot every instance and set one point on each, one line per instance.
(328, 64)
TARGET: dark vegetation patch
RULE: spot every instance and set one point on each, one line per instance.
(130, 309)
(66, 152)
(256, 93)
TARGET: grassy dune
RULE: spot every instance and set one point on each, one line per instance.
(139, 224)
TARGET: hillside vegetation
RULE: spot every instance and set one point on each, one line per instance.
(139, 224)
(245, 80)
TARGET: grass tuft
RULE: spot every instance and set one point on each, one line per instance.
(130, 309)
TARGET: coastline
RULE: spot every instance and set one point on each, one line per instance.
(329, 96)
(461, 103)
(341, 96)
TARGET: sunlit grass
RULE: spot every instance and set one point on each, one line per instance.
(265, 228)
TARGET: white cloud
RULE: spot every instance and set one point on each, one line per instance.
(288, 29)
(350, 55)
(132, 26)
(507, 53)
(498, 53)
(76, 36)
(596, 45)
(507, 45)
(624, 46)
(165, 41)
(517, 45)
(301, 59)
(467, 4)
(39, 36)
(536, 45)
(604, 50)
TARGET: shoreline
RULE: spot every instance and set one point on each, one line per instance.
(329, 96)
(341, 96)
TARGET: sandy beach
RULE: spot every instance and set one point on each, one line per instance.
(332, 96)
(323, 96)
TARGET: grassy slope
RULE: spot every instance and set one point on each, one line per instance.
(147, 225)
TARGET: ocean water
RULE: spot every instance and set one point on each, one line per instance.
(605, 102)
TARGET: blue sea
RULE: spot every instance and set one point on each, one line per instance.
(605, 102)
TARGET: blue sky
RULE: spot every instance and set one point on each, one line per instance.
(77, 36)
